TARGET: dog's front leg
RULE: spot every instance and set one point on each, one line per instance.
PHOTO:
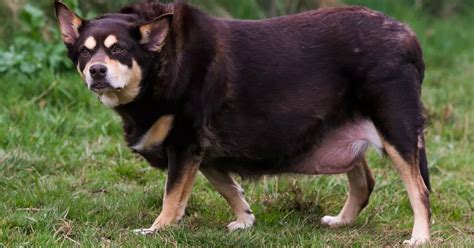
(182, 169)
(234, 195)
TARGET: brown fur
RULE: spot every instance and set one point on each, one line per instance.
(305, 93)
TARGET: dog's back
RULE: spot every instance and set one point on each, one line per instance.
(298, 77)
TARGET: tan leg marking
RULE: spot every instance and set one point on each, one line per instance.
(233, 193)
(417, 193)
(110, 41)
(361, 183)
(174, 202)
(156, 134)
(90, 43)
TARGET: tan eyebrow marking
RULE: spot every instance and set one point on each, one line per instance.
(110, 41)
(90, 43)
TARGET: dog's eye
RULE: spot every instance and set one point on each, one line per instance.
(117, 49)
(85, 52)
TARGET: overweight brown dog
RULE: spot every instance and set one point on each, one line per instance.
(305, 93)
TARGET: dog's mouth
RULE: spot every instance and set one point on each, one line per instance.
(102, 87)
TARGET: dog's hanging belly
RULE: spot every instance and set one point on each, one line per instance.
(338, 150)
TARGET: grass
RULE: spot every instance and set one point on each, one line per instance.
(67, 178)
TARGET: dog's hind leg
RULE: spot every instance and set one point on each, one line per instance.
(233, 193)
(417, 192)
(361, 184)
(396, 111)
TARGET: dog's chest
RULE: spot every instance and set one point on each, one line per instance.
(146, 137)
(149, 138)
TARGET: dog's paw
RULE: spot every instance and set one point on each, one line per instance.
(414, 242)
(242, 223)
(334, 221)
(145, 232)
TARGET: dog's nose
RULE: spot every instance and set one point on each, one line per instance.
(98, 71)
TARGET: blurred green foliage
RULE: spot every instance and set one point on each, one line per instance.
(35, 44)
(34, 47)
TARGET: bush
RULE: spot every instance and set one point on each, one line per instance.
(35, 47)
(445, 8)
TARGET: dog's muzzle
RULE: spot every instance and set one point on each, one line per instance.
(100, 83)
(98, 74)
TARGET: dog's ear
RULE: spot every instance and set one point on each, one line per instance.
(154, 33)
(69, 23)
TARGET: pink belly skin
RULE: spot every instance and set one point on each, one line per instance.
(339, 149)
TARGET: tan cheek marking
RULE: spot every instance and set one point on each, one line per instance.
(132, 89)
(86, 69)
(80, 72)
(112, 64)
(133, 77)
(110, 41)
(90, 43)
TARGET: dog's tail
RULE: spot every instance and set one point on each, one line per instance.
(423, 163)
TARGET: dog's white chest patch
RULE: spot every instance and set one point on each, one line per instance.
(110, 99)
(156, 134)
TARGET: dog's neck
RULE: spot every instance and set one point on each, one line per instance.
(139, 115)
(190, 70)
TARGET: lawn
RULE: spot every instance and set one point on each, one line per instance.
(67, 177)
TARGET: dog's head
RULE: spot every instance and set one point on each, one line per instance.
(113, 52)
